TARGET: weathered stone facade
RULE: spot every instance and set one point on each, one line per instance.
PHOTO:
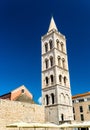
(14, 111)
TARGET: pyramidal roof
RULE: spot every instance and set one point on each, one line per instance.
(52, 25)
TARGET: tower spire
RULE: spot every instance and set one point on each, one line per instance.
(52, 25)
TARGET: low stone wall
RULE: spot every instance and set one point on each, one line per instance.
(13, 111)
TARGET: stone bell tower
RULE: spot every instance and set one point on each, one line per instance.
(56, 92)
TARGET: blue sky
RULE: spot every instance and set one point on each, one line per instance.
(23, 22)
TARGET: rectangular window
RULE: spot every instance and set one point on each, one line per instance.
(89, 108)
(73, 110)
(82, 117)
(74, 117)
(81, 109)
(73, 101)
(81, 100)
(88, 99)
(62, 117)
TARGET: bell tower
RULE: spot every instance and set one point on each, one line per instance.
(56, 92)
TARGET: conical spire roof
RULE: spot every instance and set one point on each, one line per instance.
(52, 25)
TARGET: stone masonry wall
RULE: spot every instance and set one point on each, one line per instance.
(13, 111)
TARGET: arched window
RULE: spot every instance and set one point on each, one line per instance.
(51, 77)
(57, 45)
(57, 41)
(46, 47)
(47, 99)
(51, 44)
(67, 99)
(62, 46)
(59, 61)
(62, 117)
(52, 98)
(63, 63)
(62, 98)
(60, 78)
(22, 91)
(46, 63)
(51, 61)
(47, 80)
(65, 79)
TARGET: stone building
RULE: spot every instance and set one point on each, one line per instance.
(56, 91)
(81, 107)
(20, 94)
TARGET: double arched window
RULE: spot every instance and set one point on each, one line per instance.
(64, 99)
(60, 45)
(48, 45)
(62, 80)
(59, 62)
(47, 62)
(47, 80)
(49, 99)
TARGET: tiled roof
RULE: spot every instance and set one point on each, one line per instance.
(81, 95)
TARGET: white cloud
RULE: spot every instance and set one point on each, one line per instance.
(40, 100)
